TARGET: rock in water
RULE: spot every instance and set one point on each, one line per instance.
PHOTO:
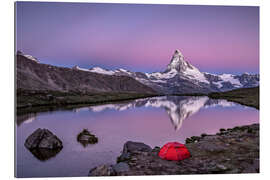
(85, 138)
(43, 144)
(43, 139)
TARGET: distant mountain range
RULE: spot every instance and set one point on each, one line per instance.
(182, 77)
(179, 77)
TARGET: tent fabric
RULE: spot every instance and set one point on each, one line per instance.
(174, 151)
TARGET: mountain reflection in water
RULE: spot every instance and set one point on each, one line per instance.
(178, 108)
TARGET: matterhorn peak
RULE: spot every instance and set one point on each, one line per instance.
(178, 53)
(178, 62)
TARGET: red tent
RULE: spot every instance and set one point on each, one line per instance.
(174, 151)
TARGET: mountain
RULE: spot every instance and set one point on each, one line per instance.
(32, 75)
(178, 77)
(182, 77)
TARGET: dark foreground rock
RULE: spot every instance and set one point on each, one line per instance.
(43, 144)
(233, 150)
(85, 138)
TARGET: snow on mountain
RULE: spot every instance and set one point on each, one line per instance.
(81, 69)
(31, 57)
(27, 56)
(230, 78)
(101, 71)
(167, 75)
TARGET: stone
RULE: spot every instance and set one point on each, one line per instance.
(43, 139)
(121, 167)
(222, 167)
(136, 146)
(85, 138)
(132, 147)
(103, 170)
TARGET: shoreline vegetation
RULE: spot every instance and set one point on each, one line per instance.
(245, 96)
(29, 101)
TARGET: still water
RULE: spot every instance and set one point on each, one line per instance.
(153, 121)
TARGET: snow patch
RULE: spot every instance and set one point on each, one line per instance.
(230, 78)
(30, 57)
(101, 71)
(81, 69)
(195, 74)
(167, 75)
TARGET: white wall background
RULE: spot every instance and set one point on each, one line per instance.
(7, 87)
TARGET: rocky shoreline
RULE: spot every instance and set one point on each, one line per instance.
(230, 151)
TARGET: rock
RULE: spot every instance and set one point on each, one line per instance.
(132, 147)
(212, 154)
(121, 167)
(136, 146)
(222, 167)
(211, 147)
(85, 138)
(45, 154)
(103, 170)
(43, 139)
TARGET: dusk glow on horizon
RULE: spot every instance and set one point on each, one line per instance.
(139, 37)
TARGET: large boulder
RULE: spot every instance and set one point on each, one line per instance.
(43, 139)
(85, 138)
(136, 146)
(132, 147)
(43, 144)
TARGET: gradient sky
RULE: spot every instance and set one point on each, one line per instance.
(217, 39)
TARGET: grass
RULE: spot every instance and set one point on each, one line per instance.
(39, 101)
(244, 96)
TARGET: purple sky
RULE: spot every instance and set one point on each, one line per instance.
(218, 39)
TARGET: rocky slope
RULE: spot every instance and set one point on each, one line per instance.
(229, 151)
(32, 75)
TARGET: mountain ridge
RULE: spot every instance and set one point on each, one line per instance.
(32, 75)
(180, 76)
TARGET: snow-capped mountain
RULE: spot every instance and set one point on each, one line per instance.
(179, 77)
(182, 77)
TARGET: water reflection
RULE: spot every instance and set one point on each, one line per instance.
(26, 118)
(178, 108)
(45, 154)
(151, 120)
